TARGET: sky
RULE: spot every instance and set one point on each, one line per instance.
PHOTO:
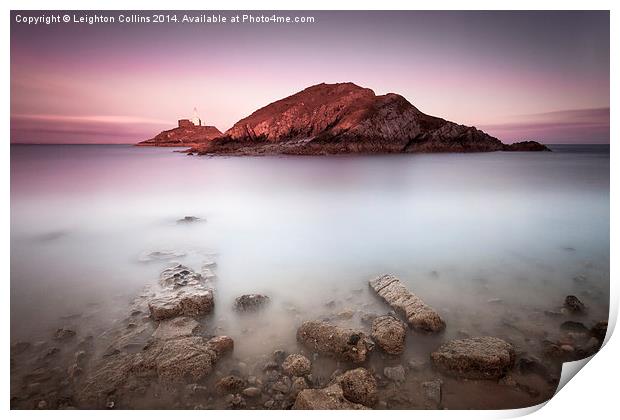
(541, 75)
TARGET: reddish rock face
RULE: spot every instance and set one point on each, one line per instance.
(346, 118)
(185, 135)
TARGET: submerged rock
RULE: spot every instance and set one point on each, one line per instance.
(297, 365)
(432, 394)
(599, 330)
(148, 256)
(179, 276)
(330, 398)
(389, 334)
(418, 314)
(573, 326)
(343, 343)
(573, 304)
(395, 373)
(175, 327)
(63, 334)
(189, 219)
(359, 386)
(250, 303)
(475, 358)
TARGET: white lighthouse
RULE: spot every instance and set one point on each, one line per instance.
(195, 118)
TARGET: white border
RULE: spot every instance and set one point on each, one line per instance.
(592, 395)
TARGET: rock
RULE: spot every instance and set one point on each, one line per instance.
(531, 364)
(599, 330)
(189, 219)
(187, 357)
(271, 365)
(346, 118)
(432, 394)
(279, 356)
(298, 385)
(252, 392)
(175, 327)
(574, 327)
(475, 358)
(346, 314)
(62, 334)
(417, 365)
(185, 135)
(148, 256)
(395, 373)
(235, 402)
(418, 314)
(179, 276)
(368, 318)
(42, 405)
(330, 398)
(250, 303)
(389, 334)
(74, 371)
(342, 343)
(359, 386)
(573, 304)
(190, 301)
(297, 365)
(230, 385)
(283, 385)
(590, 347)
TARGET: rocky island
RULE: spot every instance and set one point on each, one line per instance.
(341, 118)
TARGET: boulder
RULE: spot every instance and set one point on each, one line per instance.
(475, 358)
(297, 365)
(250, 303)
(417, 313)
(573, 304)
(389, 334)
(359, 386)
(330, 398)
(189, 301)
(230, 385)
(599, 330)
(342, 343)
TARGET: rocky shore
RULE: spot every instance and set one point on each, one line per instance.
(169, 352)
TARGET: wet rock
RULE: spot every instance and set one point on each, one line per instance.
(417, 365)
(175, 327)
(298, 385)
(271, 365)
(395, 373)
(163, 255)
(573, 304)
(189, 219)
(475, 358)
(42, 405)
(330, 398)
(279, 356)
(193, 357)
(599, 330)
(74, 371)
(283, 385)
(230, 385)
(297, 365)
(342, 343)
(418, 314)
(346, 314)
(359, 386)
(191, 301)
(432, 394)
(589, 348)
(252, 392)
(179, 276)
(63, 334)
(574, 327)
(389, 334)
(531, 364)
(250, 303)
(235, 402)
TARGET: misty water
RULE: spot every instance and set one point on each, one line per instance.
(488, 239)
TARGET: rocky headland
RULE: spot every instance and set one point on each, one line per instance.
(340, 118)
(185, 135)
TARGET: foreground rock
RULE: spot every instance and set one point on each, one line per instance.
(573, 304)
(418, 314)
(329, 398)
(389, 334)
(359, 386)
(346, 118)
(250, 303)
(296, 365)
(342, 343)
(184, 293)
(475, 358)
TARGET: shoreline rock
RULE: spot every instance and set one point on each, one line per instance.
(343, 343)
(389, 333)
(417, 313)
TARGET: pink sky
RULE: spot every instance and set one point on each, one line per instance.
(517, 75)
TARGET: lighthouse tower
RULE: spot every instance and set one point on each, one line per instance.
(195, 118)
